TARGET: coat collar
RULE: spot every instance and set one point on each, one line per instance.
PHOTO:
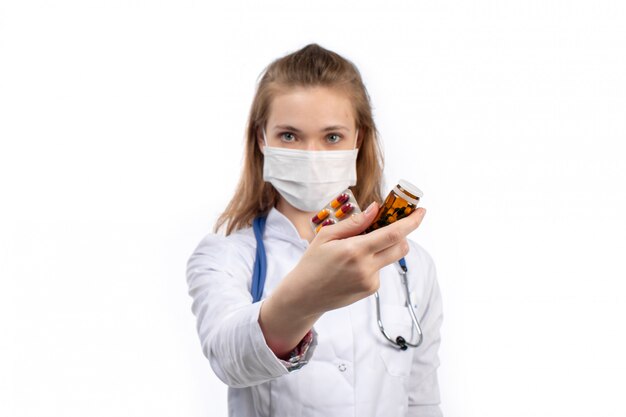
(278, 226)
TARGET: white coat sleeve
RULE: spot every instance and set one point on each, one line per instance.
(218, 277)
(424, 396)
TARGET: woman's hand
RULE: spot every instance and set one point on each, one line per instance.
(339, 268)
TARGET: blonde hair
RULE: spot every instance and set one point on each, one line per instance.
(311, 66)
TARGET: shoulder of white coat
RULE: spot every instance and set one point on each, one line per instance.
(219, 252)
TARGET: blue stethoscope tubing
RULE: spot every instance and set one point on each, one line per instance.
(260, 261)
(259, 273)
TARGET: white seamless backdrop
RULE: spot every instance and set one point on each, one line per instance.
(121, 132)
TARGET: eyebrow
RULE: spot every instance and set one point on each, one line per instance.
(326, 129)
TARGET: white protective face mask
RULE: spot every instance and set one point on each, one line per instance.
(308, 180)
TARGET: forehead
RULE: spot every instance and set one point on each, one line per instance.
(311, 108)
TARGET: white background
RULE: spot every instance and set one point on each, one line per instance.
(121, 132)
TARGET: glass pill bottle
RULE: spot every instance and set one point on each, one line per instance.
(401, 201)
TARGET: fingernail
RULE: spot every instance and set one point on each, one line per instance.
(367, 210)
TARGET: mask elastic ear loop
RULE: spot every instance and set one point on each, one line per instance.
(264, 137)
(356, 139)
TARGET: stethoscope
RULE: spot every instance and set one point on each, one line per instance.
(258, 283)
(400, 342)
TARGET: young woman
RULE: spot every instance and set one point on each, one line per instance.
(312, 345)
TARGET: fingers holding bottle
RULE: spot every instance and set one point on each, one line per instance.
(340, 266)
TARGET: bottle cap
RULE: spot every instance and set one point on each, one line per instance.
(410, 188)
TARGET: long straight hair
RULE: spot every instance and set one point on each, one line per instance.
(311, 66)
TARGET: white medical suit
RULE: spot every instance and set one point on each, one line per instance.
(351, 369)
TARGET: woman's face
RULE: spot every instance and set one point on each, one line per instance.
(311, 118)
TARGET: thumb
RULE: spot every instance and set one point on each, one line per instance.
(353, 226)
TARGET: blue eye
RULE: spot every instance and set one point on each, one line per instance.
(333, 138)
(287, 137)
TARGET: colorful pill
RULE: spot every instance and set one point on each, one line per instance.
(320, 216)
(345, 209)
(342, 198)
(324, 223)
